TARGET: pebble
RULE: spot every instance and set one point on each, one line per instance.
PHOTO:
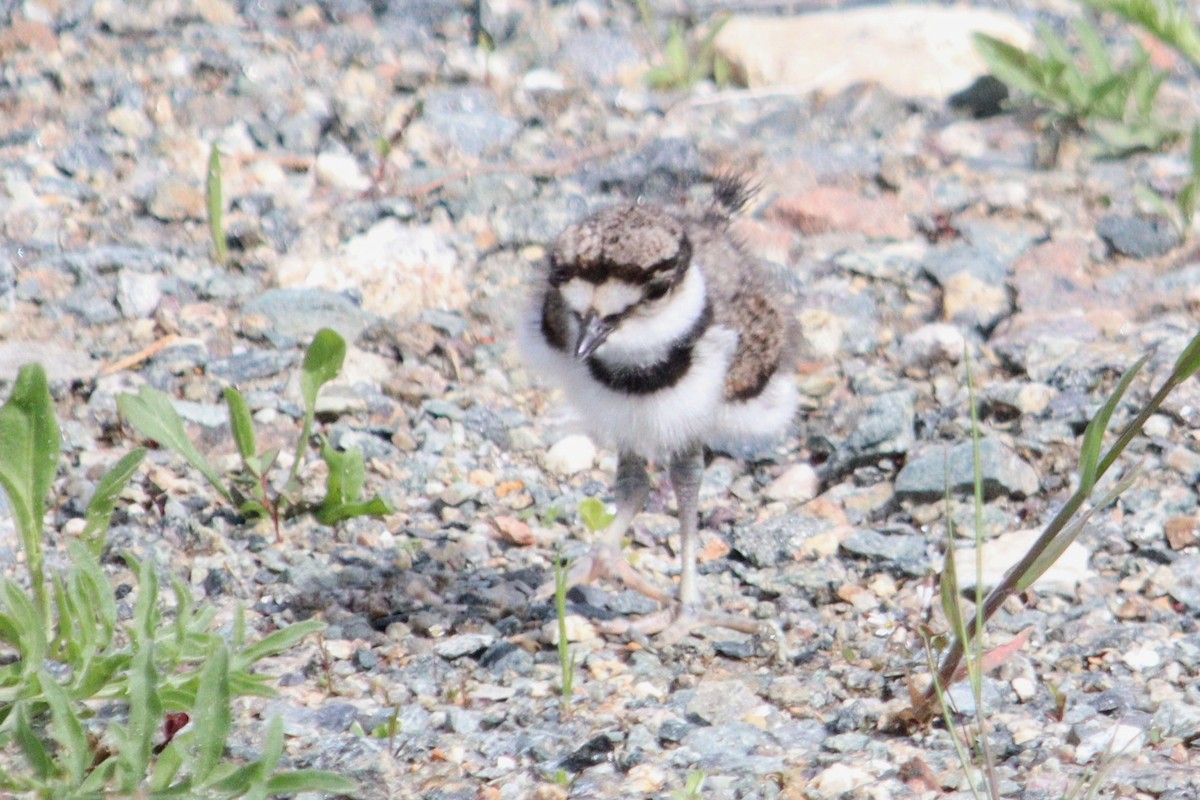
(767, 544)
(932, 345)
(464, 644)
(1138, 237)
(1063, 577)
(570, 454)
(798, 484)
(924, 477)
(924, 52)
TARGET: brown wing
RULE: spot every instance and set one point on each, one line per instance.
(748, 300)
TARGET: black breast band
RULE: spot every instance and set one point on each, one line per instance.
(661, 375)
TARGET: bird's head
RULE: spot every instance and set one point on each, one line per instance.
(618, 264)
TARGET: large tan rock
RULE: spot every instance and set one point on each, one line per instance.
(914, 51)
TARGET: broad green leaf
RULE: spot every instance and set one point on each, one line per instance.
(30, 443)
(242, 781)
(97, 779)
(213, 717)
(347, 473)
(332, 515)
(322, 362)
(31, 631)
(1010, 65)
(310, 780)
(35, 752)
(1093, 435)
(594, 515)
(145, 705)
(166, 766)
(277, 642)
(242, 424)
(95, 588)
(67, 729)
(108, 490)
(151, 414)
(1093, 48)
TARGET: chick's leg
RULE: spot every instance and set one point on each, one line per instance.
(687, 469)
(606, 559)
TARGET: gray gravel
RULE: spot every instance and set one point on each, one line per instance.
(386, 179)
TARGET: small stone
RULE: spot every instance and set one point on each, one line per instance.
(1117, 740)
(570, 454)
(906, 551)
(138, 294)
(831, 208)
(885, 428)
(1181, 532)
(464, 644)
(458, 493)
(766, 544)
(840, 779)
(1138, 237)
(62, 365)
(912, 51)
(923, 478)
(176, 201)
(1001, 553)
(1142, 658)
(931, 345)
(1024, 688)
(341, 171)
(798, 484)
(1177, 719)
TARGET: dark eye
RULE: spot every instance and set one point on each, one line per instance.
(656, 291)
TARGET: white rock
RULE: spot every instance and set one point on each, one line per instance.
(60, 363)
(914, 51)
(138, 294)
(936, 343)
(341, 171)
(1024, 688)
(1142, 658)
(400, 270)
(840, 779)
(798, 484)
(1116, 742)
(571, 454)
(1000, 553)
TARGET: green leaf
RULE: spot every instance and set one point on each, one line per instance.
(30, 443)
(67, 729)
(594, 515)
(242, 425)
(31, 746)
(166, 767)
(151, 414)
(332, 515)
(1093, 435)
(310, 780)
(213, 717)
(108, 490)
(216, 206)
(347, 473)
(1093, 48)
(1188, 361)
(30, 627)
(145, 705)
(322, 362)
(277, 642)
(1011, 65)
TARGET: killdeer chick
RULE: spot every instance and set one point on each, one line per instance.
(666, 337)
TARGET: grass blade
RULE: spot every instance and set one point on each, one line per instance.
(215, 203)
(1093, 435)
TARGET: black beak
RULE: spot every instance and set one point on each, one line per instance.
(592, 332)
